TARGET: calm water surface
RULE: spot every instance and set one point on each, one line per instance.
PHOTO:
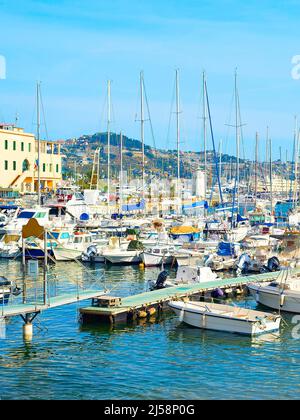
(162, 360)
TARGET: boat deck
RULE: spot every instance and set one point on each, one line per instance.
(158, 298)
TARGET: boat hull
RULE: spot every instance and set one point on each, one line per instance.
(286, 302)
(209, 321)
(126, 258)
(152, 260)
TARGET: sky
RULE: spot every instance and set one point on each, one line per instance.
(74, 47)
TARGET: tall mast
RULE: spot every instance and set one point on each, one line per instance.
(108, 139)
(271, 173)
(256, 165)
(204, 135)
(142, 132)
(220, 155)
(39, 139)
(178, 130)
(121, 172)
(237, 137)
(296, 158)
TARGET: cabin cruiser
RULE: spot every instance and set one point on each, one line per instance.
(74, 247)
(225, 318)
(123, 253)
(14, 227)
(34, 247)
(158, 255)
(282, 294)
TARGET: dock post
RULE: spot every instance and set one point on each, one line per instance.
(28, 328)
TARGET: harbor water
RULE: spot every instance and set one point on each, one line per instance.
(162, 359)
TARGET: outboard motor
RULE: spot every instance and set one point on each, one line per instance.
(160, 282)
(90, 253)
(243, 264)
(273, 264)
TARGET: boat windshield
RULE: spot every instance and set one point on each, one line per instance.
(26, 215)
(40, 215)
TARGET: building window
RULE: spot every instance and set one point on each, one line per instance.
(25, 165)
(6, 145)
(22, 146)
(44, 167)
(50, 167)
(14, 145)
(57, 168)
(14, 165)
(29, 147)
(6, 165)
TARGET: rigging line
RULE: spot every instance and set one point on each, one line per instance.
(241, 128)
(102, 112)
(229, 122)
(44, 116)
(170, 116)
(214, 147)
(149, 115)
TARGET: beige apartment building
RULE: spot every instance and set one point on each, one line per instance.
(19, 161)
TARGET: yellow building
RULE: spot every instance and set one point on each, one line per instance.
(19, 161)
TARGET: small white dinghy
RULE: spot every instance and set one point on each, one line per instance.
(226, 318)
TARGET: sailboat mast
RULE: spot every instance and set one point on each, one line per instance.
(271, 173)
(256, 165)
(237, 136)
(142, 132)
(121, 172)
(39, 139)
(178, 130)
(108, 139)
(204, 135)
(296, 158)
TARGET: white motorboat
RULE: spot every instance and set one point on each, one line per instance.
(184, 275)
(226, 318)
(282, 294)
(73, 249)
(159, 254)
(119, 253)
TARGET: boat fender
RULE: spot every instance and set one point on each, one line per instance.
(257, 296)
(282, 299)
(217, 293)
(151, 311)
(142, 314)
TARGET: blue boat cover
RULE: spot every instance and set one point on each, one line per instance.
(226, 249)
(134, 207)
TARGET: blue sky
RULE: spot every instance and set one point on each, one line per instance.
(73, 47)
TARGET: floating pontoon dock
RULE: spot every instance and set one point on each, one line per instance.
(130, 307)
(29, 311)
(54, 302)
